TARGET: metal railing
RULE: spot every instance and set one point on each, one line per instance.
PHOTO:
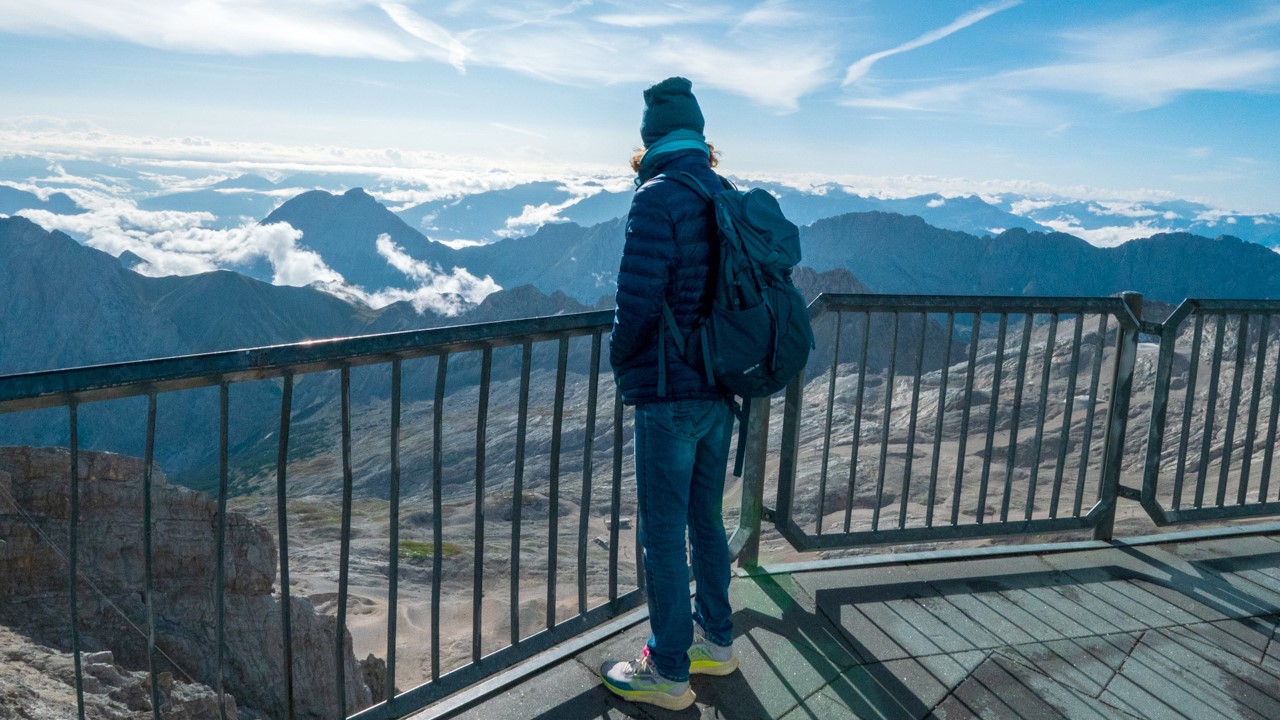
(921, 432)
(553, 367)
(1217, 369)
(920, 419)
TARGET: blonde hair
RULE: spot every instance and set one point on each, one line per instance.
(638, 155)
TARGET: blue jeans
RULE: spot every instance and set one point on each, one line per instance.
(681, 451)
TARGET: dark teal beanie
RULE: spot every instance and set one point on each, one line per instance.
(668, 106)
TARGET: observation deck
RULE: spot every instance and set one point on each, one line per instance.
(1171, 626)
(965, 507)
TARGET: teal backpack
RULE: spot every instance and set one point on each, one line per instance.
(756, 336)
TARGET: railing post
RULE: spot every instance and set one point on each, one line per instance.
(745, 543)
(1118, 412)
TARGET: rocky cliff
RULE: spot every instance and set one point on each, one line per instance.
(34, 522)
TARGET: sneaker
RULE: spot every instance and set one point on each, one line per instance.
(639, 681)
(708, 658)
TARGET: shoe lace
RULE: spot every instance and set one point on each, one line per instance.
(643, 665)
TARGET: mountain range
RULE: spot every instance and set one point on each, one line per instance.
(890, 252)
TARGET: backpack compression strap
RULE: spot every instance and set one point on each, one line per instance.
(669, 321)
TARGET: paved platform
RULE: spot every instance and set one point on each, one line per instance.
(1172, 630)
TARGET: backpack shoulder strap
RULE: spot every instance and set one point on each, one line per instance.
(688, 180)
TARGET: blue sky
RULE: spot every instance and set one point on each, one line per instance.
(1126, 98)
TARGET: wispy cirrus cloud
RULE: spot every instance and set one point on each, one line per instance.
(857, 70)
(447, 47)
(574, 42)
(237, 27)
(1138, 64)
(655, 15)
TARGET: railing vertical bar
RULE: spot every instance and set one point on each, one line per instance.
(588, 445)
(1233, 412)
(477, 568)
(148, 470)
(1064, 439)
(744, 541)
(857, 420)
(788, 457)
(615, 497)
(282, 529)
(884, 422)
(826, 432)
(964, 417)
(73, 552)
(437, 508)
(344, 546)
(1251, 429)
(1188, 404)
(911, 429)
(1037, 444)
(1089, 412)
(1210, 413)
(517, 487)
(219, 582)
(1016, 418)
(553, 518)
(1265, 483)
(1269, 454)
(1126, 355)
(937, 427)
(393, 534)
(992, 411)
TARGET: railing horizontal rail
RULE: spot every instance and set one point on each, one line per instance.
(52, 388)
(965, 304)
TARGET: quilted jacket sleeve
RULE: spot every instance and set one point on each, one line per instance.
(648, 255)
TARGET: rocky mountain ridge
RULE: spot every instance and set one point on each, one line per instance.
(34, 515)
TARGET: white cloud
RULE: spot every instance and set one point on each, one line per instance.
(857, 70)
(665, 15)
(443, 293)
(1153, 80)
(774, 76)
(177, 243)
(772, 14)
(555, 41)
(441, 44)
(237, 27)
(517, 130)
(1109, 236)
(1140, 63)
(1123, 209)
(535, 216)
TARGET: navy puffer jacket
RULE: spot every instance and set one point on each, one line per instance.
(669, 252)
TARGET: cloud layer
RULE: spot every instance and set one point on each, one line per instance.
(566, 42)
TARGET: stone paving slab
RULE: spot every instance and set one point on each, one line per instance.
(1168, 631)
(567, 690)
(907, 688)
(1084, 664)
(1168, 676)
(1002, 688)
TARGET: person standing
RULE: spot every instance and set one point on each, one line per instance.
(682, 422)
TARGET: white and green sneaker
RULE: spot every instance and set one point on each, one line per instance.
(639, 681)
(708, 658)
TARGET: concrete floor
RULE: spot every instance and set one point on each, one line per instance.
(1173, 630)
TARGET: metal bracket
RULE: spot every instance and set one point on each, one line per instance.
(1129, 493)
